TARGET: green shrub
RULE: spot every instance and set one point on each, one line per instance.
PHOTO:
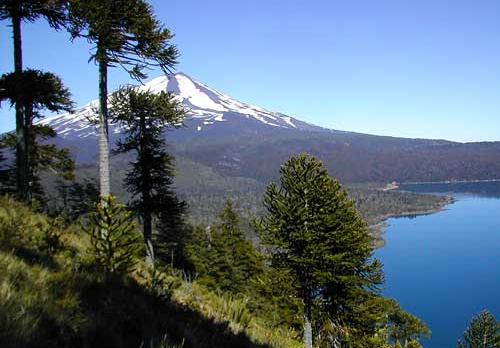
(51, 241)
(19, 227)
(115, 241)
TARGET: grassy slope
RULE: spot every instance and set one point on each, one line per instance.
(57, 299)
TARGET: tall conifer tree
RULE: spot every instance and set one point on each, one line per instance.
(35, 91)
(124, 33)
(17, 11)
(234, 263)
(318, 237)
(144, 117)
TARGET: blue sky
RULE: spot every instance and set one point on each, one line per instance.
(421, 68)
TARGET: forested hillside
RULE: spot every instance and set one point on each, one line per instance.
(167, 214)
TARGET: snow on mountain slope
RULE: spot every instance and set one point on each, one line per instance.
(205, 106)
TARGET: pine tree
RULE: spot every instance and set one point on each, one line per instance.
(144, 117)
(483, 332)
(17, 11)
(44, 157)
(317, 235)
(35, 91)
(75, 199)
(126, 34)
(234, 263)
(403, 327)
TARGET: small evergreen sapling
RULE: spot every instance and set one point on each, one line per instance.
(115, 243)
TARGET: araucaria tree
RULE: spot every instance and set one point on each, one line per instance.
(36, 91)
(17, 11)
(483, 332)
(316, 235)
(144, 116)
(124, 33)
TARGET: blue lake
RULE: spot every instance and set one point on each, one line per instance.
(445, 267)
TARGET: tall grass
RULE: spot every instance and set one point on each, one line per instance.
(52, 295)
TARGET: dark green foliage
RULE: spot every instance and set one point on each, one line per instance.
(170, 235)
(125, 33)
(115, 243)
(18, 11)
(233, 264)
(483, 332)
(30, 10)
(223, 259)
(51, 242)
(145, 116)
(75, 199)
(44, 157)
(404, 327)
(317, 235)
(35, 91)
(7, 175)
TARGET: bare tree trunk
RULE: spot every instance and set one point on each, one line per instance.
(28, 143)
(308, 340)
(146, 196)
(21, 179)
(103, 126)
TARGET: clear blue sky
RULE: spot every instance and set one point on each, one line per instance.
(421, 68)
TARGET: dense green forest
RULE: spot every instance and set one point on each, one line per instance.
(133, 262)
(206, 191)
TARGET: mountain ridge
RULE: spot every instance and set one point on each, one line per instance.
(237, 139)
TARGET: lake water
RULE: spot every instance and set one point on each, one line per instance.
(445, 267)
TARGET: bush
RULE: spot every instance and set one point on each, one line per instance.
(19, 227)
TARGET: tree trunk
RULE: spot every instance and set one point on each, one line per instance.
(21, 178)
(29, 142)
(146, 194)
(308, 340)
(103, 126)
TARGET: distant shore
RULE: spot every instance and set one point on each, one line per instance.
(395, 186)
(378, 229)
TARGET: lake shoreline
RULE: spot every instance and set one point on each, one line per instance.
(379, 228)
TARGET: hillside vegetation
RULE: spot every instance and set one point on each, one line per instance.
(206, 191)
(52, 295)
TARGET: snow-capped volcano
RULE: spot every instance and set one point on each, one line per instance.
(225, 136)
(206, 107)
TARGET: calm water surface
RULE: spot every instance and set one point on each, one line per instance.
(445, 267)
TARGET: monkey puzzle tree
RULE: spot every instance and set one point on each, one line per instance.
(317, 236)
(483, 332)
(17, 11)
(144, 116)
(35, 91)
(124, 33)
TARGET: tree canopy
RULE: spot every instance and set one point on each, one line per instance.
(316, 234)
(124, 33)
